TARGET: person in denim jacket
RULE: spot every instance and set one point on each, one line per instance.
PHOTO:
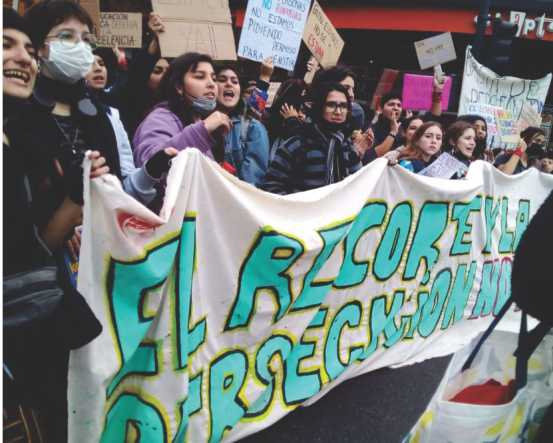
(247, 143)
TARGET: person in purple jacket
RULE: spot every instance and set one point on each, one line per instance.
(186, 116)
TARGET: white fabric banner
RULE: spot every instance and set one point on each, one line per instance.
(483, 86)
(235, 306)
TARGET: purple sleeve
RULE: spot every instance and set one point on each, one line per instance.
(162, 129)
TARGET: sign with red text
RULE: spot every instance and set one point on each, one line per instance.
(273, 28)
(322, 38)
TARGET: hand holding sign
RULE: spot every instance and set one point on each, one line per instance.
(267, 69)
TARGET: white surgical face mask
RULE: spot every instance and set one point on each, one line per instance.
(68, 64)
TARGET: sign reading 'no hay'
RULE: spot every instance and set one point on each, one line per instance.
(234, 306)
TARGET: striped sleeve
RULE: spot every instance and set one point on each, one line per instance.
(278, 179)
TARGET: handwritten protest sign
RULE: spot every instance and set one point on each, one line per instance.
(122, 29)
(210, 338)
(417, 92)
(196, 25)
(482, 85)
(93, 8)
(507, 128)
(488, 114)
(271, 92)
(273, 29)
(445, 166)
(529, 117)
(435, 50)
(321, 37)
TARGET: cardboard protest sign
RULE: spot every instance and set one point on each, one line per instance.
(417, 92)
(233, 306)
(483, 86)
(273, 29)
(445, 166)
(435, 50)
(93, 8)
(507, 127)
(384, 86)
(529, 117)
(322, 38)
(196, 25)
(273, 89)
(121, 29)
(488, 114)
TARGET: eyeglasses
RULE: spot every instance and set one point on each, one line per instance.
(335, 106)
(69, 37)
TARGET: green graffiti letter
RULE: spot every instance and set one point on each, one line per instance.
(462, 285)
(354, 272)
(188, 337)
(350, 315)
(433, 307)
(523, 218)
(392, 246)
(314, 292)
(430, 227)
(461, 214)
(266, 267)
(488, 289)
(491, 212)
(129, 285)
(131, 414)
(227, 375)
(507, 238)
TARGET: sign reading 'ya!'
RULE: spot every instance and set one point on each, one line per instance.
(273, 28)
(321, 37)
(234, 306)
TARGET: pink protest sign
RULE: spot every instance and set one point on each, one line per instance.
(417, 92)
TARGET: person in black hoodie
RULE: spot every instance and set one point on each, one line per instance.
(35, 351)
(321, 152)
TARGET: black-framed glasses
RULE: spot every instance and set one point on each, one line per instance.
(337, 106)
(70, 37)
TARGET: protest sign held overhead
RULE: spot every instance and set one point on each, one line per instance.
(93, 8)
(203, 26)
(336, 282)
(273, 28)
(529, 117)
(435, 50)
(384, 86)
(120, 29)
(483, 86)
(488, 113)
(322, 38)
(417, 92)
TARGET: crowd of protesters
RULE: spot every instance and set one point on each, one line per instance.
(64, 99)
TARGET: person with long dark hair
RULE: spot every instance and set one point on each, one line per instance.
(425, 146)
(35, 396)
(247, 143)
(321, 153)
(187, 115)
(461, 143)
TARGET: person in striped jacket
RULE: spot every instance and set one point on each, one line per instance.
(321, 152)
